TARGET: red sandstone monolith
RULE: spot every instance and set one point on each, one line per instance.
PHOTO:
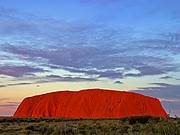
(91, 103)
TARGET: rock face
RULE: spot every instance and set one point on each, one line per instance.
(92, 103)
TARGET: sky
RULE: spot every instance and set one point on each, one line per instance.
(55, 45)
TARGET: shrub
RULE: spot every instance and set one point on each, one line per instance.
(1, 130)
(138, 125)
(30, 127)
(139, 119)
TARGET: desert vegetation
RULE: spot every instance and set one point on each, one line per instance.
(137, 125)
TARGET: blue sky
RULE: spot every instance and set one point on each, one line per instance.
(131, 45)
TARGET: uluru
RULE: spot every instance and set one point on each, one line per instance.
(90, 103)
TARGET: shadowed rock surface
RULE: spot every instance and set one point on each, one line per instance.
(91, 103)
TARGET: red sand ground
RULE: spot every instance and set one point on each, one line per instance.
(92, 103)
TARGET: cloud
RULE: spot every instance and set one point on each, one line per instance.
(58, 78)
(102, 62)
(14, 84)
(166, 77)
(76, 59)
(14, 23)
(4, 99)
(86, 47)
(118, 82)
(146, 70)
(165, 42)
(48, 79)
(169, 99)
(93, 49)
(10, 104)
(161, 90)
(98, 73)
(162, 85)
(18, 71)
(5, 12)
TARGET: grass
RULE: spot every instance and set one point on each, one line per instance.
(137, 125)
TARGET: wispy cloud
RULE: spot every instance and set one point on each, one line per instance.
(161, 90)
(47, 79)
(166, 77)
(99, 61)
(169, 99)
(14, 84)
(10, 104)
(18, 71)
(4, 99)
(58, 78)
(93, 49)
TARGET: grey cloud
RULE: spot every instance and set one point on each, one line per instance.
(97, 48)
(58, 78)
(166, 77)
(161, 90)
(47, 79)
(100, 74)
(133, 75)
(165, 85)
(18, 71)
(104, 60)
(14, 84)
(9, 105)
(118, 82)
(1, 86)
(147, 70)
